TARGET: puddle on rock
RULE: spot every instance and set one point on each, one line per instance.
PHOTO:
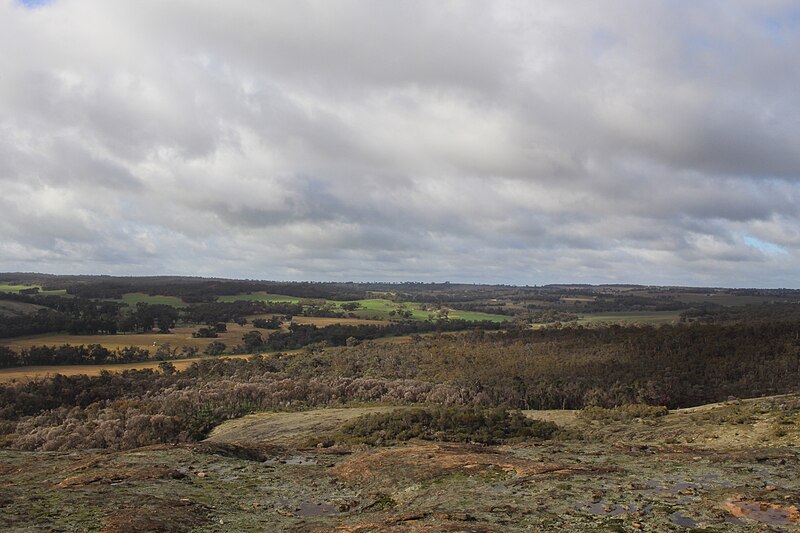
(611, 509)
(296, 460)
(306, 508)
(766, 513)
(315, 509)
(680, 520)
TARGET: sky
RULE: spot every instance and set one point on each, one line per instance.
(523, 142)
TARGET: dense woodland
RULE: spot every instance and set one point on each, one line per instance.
(675, 366)
(746, 314)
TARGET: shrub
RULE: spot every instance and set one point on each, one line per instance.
(452, 424)
(625, 412)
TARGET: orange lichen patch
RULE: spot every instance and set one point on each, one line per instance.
(173, 516)
(429, 461)
(113, 475)
(768, 513)
(417, 523)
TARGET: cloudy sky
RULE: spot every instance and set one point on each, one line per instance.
(517, 142)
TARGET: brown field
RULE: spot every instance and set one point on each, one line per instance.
(321, 322)
(26, 373)
(180, 337)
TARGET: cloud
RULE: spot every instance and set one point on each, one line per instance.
(513, 141)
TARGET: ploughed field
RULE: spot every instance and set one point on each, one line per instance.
(724, 467)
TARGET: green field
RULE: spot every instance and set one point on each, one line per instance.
(377, 308)
(371, 308)
(259, 297)
(133, 298)
(644, 317)
(17, 288)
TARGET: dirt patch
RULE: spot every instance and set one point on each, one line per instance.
(172, 516)
(417, 523)
(115, 475)
(430, 461)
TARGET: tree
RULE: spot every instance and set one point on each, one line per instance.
(215, 348)
(205, 333)
(253, 341)
(147, 316)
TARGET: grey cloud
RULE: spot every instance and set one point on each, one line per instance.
(509, 141)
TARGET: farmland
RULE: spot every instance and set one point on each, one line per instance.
(376, 308)
(259, 297)
(370, 308)
(12, 288)
(40, 372)
(179, 337)
(133, 298)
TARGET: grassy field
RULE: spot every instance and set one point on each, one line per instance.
(371, 308)
(133, 298)
(644, 317)
(259, 297)
(376, 308)
(17, 288)
(322, 322)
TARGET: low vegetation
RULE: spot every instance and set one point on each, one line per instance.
(449, 424)
(622, 413)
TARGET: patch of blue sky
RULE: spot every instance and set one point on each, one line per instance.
(602, 40)
(33, 4)
(781, 28)
(762, 245)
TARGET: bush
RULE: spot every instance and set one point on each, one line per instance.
(452, 424)
(205, 333)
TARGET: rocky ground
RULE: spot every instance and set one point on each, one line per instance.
(726, 467)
